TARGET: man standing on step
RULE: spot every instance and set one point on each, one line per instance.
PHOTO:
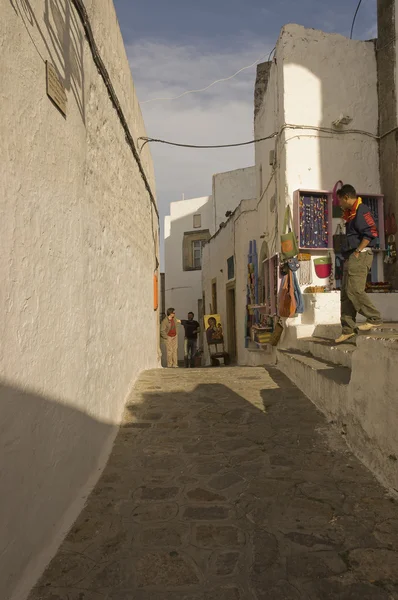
(361, 238)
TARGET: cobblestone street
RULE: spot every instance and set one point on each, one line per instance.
(227, 484)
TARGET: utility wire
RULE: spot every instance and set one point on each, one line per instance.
(211, 84)
(354, 19)
(82, 12)
(147, 140)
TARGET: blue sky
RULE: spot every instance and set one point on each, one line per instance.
(177, 45)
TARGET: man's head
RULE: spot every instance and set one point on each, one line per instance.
(190, 316)
(347, 196)
(171, 313)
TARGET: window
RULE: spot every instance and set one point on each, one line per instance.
(192, 248)
(197, 246)
(214, 296)
(197, 221)
(231, 267)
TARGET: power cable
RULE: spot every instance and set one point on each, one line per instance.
(147, 140)
(84, 18)
(82, 12)
(354, 19)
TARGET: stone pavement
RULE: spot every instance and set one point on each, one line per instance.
(227, 484)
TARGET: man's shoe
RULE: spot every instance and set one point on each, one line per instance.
(344, 338)
(368, 326)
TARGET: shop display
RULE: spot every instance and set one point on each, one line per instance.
(391, 253)
(323, 267)
(305, 271)
(287, 303)
(314, 221)
(339, 239)
(289, 246)
(381, 287)
(315, 289)
(277, 334)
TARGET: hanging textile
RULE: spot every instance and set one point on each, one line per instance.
(294, 265)
(287, 301)
(305, 272)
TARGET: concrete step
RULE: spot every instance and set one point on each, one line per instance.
(324, 349)
(322, 381)
(332, 332)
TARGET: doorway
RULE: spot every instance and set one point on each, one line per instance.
(231, 322)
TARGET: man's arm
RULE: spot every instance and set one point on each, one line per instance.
(366, 228)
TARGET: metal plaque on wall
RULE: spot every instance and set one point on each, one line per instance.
(55, 89)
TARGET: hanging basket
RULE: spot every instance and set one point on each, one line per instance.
(323, 267)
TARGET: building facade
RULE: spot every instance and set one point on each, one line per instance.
(79, 250)
(387, 64)
(318, 122)
(188, 228)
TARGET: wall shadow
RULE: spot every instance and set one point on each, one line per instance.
(200, 471)
(62, 39)
(48, 453)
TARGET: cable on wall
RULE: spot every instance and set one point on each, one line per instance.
(82, 12)
(354, 19)
(147, 140)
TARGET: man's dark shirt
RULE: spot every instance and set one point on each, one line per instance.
(362, 226)
(190, 327)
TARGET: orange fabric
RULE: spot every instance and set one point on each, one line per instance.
(349, 213)
(155, 293)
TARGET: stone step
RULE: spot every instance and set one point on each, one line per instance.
(322, 381)
(325, 349)
(332, 332)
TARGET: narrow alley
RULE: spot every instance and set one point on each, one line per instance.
(228, 484)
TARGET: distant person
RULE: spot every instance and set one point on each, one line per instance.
(192, 328)
(361, 239)
(169, 333)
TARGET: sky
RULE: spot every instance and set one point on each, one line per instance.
(175, 45)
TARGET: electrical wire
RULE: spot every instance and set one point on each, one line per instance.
(354, 19)
(84, 18)
(82, 12)
(147, 140)
(211, 84)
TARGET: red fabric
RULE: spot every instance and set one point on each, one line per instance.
(172, 330)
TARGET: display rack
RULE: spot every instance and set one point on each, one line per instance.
(258, 324)
(271, 283)
(313, 219)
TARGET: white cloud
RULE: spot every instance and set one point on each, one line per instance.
(221, 115)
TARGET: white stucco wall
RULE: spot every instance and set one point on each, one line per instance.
(184, 288)
(306, 89)
(317, 91)
(244, 225)
(76, 263)
(230, 188)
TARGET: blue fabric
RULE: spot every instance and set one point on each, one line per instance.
(298, 296)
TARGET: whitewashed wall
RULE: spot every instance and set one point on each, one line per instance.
(184, 288)
(317, 91)
(229, 189)
(77, 258)
(307, 89)
(246, 224)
